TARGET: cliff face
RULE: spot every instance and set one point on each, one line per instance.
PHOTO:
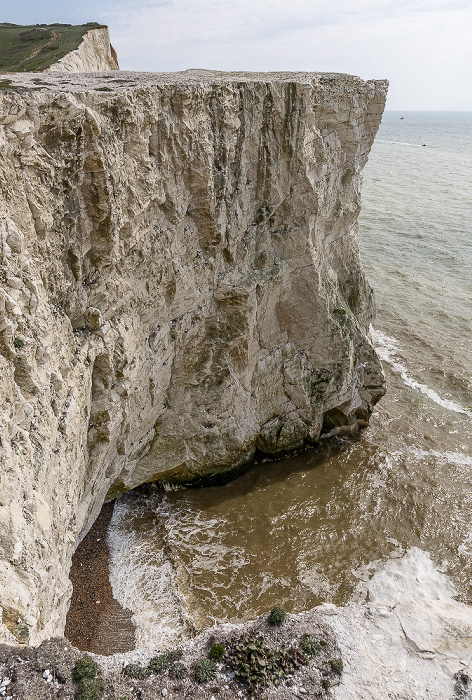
(94, 54)
(180, 292)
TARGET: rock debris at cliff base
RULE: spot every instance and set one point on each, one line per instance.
(181, 293)
(97, 622)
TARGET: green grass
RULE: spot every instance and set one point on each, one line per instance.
(35, 47)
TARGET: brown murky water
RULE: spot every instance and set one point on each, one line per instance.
(310, 529)
(300, 531)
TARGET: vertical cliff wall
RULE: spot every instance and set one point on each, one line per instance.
(180, 292)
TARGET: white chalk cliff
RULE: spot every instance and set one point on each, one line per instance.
(181, 293)
(94, 54)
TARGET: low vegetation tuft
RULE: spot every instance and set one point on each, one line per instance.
(310, 646)
(85, 667)
(336, 665)
(205, 671)
(90, 689)
(163, 662)
(136, 671)
(217, 651)
(257, 665)
(85, 675)
(276, 616)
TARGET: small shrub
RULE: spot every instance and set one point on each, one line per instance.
(85, 667)
(257, 665)
(310, 646)
(177, 670)
(276, 616)
(90, 689)
(18, 343)
(336, 665)
(161, 663)
(217, 651)
(136, 671)
(325, 684)
(205, 671)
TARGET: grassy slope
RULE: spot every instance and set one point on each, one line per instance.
(36, 47)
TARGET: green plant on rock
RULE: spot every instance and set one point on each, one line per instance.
(336, 665)
(162, 662)
(18, 343)
(85, 667)
(175, 655)
(309, 645)
(257, 665)
(205, 671)
(217, 651)
(136, 671)
(325, 684)
(90, 689)
(177, 670)
(276, 616)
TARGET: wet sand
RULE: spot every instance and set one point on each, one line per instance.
(96, 622)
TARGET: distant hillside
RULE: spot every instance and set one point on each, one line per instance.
(35, 47)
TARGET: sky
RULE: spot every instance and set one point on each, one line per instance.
(423, 47)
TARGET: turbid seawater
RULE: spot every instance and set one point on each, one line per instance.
(311, 528)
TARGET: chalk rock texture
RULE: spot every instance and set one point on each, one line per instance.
(94, 53)
(410, 641)
(181, 293)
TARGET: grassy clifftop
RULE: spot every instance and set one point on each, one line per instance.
(36, 47)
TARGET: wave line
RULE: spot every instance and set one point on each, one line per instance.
(386, 347)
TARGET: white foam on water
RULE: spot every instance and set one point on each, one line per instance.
(143, 580)
(459, 459)
(387, 347)
(412, 575)
(401, 143)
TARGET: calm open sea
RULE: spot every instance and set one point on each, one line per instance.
(311, 528)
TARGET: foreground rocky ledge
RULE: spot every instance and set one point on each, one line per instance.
(412, 641)
(181, 293)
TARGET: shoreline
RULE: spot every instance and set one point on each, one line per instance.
(96, 622)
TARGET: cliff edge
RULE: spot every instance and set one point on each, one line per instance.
(63, 48)
(181, 293)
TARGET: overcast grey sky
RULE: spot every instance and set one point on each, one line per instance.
(424, 47)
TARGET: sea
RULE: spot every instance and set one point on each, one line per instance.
(316, 527)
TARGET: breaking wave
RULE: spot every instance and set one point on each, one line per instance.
(387, 348)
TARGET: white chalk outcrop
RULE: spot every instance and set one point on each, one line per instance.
(181, 293)
(94, 54)
(411, 640)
